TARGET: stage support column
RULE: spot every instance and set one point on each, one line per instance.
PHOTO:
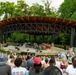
(5, 37)
(1, 38)
(75, 39)
(72, 37)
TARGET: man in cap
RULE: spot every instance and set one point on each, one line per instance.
(4, 68)
(52, 69)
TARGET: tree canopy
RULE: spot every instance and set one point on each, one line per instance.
(11, 10)
(67, 10)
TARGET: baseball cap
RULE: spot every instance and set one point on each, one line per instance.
(37, 60)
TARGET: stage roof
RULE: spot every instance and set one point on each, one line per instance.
(38, 19)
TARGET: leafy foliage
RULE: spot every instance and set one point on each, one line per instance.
(37, 10)
(6, 9)
(11, 10)
(18, 38)
(67, 9)
(64, 38)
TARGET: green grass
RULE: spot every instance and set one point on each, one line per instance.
(62, 46)
(7, 52)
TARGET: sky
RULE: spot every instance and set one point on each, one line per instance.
(55, 3)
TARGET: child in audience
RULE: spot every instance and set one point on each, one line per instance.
(18, 70)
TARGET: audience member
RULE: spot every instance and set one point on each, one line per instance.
(46, 64)
(71, 69)
(52, 70)
(18, 70)
(37, 67)
(4, 68)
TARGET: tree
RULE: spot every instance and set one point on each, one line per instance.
(48, 10)
(10, 10)
(9, 40)
(67, 9)
(7, 9)
(37, 10)
(18, 37)
(21, 8)
(64, 38)
(49, 39)
(73, 17)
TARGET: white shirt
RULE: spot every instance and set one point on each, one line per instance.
(9, 61)
(57, 64)
(71, 70)
(19, 71)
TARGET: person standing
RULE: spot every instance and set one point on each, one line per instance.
(4, 68)
(18, 70)
(71, 69)
(46, 64)
(52, 69)
(36, 69)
